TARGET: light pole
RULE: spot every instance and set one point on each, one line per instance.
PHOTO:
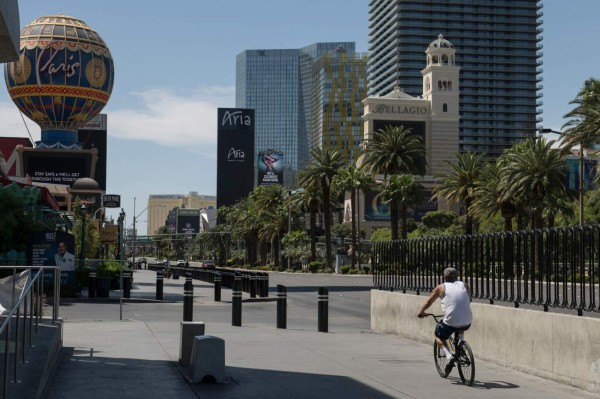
(120, 234)
(82, 249)
(581, 174)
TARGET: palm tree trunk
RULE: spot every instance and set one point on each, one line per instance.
(353, 221)
(327, 224)
(313, 234)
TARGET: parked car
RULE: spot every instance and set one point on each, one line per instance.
(208, 264)
(180, 263)
(161, 262)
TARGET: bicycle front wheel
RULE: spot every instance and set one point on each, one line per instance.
(440, 360)
(466, 363)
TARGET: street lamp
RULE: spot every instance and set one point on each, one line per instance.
(120, 235)
(82, 249)
(581, 174)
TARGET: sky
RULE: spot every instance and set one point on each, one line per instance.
(175, 65)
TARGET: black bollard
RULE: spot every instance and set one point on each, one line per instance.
(188, 298)
(92, 284)
(323, 309)
(236, 301)
(217, 279)
(160, 275)
(127, 285)
(281, 306)
(253, 284)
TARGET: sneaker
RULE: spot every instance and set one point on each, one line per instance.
(449, 367)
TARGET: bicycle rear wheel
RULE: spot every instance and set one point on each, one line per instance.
(466, 363)
(440, 360)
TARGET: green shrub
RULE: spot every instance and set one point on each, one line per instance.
(354, 271)
(345, 269)
(328, 270)
(314, 267)
(366, 269)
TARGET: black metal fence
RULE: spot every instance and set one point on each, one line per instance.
(553, 268)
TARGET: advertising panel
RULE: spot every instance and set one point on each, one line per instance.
(53, 248)
(188, 221)
(93, 134)
(270, 167)
(235, 154)
(378, 211)
(57, 166)
(417, 128)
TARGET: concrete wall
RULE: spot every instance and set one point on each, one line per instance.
(559, 347)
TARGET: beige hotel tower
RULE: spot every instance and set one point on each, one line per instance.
(434, 116)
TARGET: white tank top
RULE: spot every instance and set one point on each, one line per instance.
(456, 305)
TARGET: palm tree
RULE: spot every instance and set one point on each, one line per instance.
(489, 195)
(407, 191)
(583, 127)
(272, 214)
(392, 151)
(353, 179)
(460, 183)
(534, 173)
(309, 198)
(322, 167)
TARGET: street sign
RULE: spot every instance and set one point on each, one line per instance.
(111, 201)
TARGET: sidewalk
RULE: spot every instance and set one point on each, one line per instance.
(138, 359)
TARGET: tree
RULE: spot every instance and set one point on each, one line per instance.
(322, 167)
(391, 151)
(405, 191)
(533, 174)
(310, 198)
(490, 198)
(460, 183)
(272, 214)
(353, 179)
(91, 238)
(15, 222)
(583, 127)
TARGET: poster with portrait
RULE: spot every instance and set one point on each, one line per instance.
(270, 167)
(53, 248)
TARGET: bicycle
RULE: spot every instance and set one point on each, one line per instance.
(462, 356)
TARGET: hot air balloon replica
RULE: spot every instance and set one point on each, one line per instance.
(63, 78)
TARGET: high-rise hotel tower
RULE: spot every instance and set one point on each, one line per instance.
(498, 43)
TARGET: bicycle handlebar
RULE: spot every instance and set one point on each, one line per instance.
(435, 316)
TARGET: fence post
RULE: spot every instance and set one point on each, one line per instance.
(253, 284)
(323, 309)
(159, 284)
(281, 306)
(236, 301)
(188, 298)
(126, 284)
(92, 284)
(217, 278)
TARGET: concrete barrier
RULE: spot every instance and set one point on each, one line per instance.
(208, 359)
(559, 347)
(188, 331)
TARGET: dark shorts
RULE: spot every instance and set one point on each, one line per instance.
(444, 331)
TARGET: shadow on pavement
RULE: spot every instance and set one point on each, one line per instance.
(265, 384)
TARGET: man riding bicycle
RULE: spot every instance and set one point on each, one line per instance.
(456, 304)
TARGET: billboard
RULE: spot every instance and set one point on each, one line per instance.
(235, 154)
(378, 211)
(93, 134)
(57, 166)
(53, 248)
(418, 128)
(188, 221)
(270, 167)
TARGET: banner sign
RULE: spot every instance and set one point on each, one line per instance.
(111, 201)
(572, 174)
(235, 155)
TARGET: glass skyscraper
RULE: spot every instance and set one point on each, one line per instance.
(498, 47)
(277, 84)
